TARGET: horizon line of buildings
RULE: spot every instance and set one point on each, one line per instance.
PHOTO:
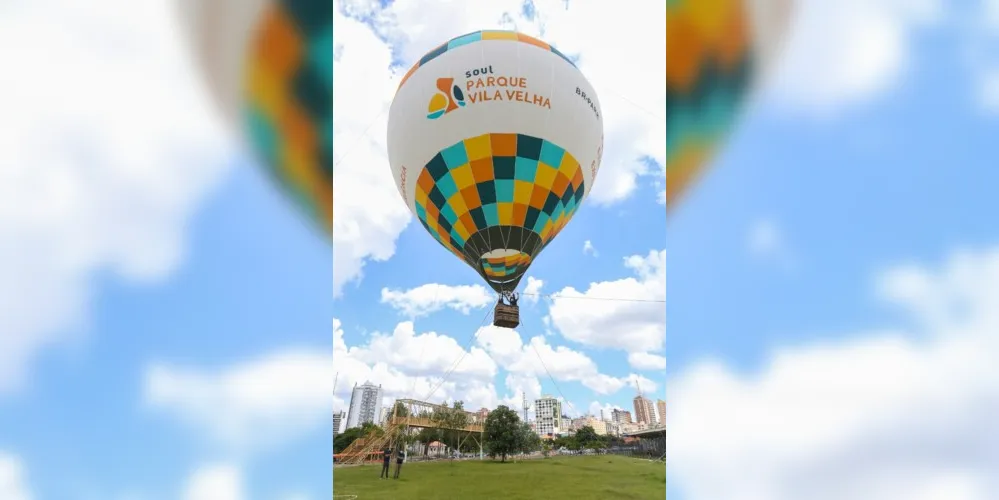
(549, 420)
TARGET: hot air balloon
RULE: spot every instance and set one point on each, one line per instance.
(269, 65)
(494, 140)
(715, 50)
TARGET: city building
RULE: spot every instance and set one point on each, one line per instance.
(598, 425)
(661, 410)
(548, 416)
(620, 416)
(645, 413)
(337, 422)
(365, 405)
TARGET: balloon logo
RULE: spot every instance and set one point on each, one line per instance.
(714, 50)
(448, 99)
(269, 65)
(504, 154)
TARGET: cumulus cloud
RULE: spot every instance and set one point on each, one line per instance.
(597, 407)
(411, 365)
(646, 361)
(588, 248)
(907, 412)
(369, 61)
(251, 405)
(100, 175)
(607, 315)
(215, 482)
(430, 298)
(13, 478)
(532, 290)
(564, 364)
(848, 53)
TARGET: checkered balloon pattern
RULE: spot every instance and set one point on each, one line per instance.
(499, 191)
(288, 110)
(708, 68)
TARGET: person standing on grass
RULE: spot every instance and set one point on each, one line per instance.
(398, 463)
(386, 459)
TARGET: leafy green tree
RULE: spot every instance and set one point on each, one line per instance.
(586, 435)
(503, 432)
(401, 410)
(529, 440)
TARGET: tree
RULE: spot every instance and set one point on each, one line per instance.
(529, 440)
(400, 410)
(503, 432)
(586, 435)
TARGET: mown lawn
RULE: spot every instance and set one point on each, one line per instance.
(572, 478)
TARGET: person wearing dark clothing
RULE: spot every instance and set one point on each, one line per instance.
(386, 459)
(398, 463)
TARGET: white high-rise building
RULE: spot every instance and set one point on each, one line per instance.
(337, 422)
(365, 405)
(548, 416)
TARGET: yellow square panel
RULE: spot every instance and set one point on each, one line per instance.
(478, 148)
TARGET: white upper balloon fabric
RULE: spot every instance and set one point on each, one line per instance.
(494, 140)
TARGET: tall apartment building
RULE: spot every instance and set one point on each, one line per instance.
(661, 410)
(620, 416)
(548, 416)
(337, 422)
(365, 405)
(645, 413)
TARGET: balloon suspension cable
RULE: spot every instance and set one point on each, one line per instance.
(558, 389)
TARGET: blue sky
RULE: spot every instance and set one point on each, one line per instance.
(837, 257)
(168, 335)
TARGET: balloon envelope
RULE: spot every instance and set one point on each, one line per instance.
(269, 65)
(714, 50)
(494, 140)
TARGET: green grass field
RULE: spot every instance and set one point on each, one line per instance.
(574, 478)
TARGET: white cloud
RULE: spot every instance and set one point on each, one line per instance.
(844, 53)
(880, 415)
(251, 405)
(410, 365)
(646, 361)
(532, 291)
(13, 478)
(643, 385)
(509, 350)
(606, 315)
(596, 407)
(427, 299)
(215, 482)
(588, 248)
(100, 175)
(370, 212)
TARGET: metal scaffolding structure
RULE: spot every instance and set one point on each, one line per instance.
(409, 414)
